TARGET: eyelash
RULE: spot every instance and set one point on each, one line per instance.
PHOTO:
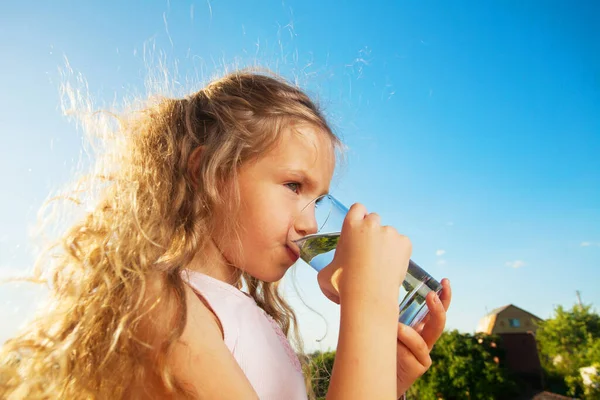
(297, 185)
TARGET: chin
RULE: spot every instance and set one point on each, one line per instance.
(273, 275)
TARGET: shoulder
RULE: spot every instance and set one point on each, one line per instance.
(202, 361)
(199, 309)
(199, 359)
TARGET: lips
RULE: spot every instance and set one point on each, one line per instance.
(293, 255)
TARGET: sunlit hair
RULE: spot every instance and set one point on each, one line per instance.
(116, 272)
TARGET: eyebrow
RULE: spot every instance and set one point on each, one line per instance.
(304, 176)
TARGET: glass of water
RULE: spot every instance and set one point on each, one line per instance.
(317, 250)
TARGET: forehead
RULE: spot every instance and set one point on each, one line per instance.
(303, 143)
(302, 148)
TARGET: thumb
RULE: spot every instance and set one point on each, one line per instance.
(331, 296)
(328, 279)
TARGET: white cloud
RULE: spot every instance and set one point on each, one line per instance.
(588, 244)
(516, 264)
(441, 262)
(440, 252)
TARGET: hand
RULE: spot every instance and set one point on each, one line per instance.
(370, 261)
(414, 345)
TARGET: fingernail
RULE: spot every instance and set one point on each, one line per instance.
(436, 299)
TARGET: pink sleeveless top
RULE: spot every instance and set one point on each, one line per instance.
(256, 341)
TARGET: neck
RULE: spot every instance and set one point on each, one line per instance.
(210, 261)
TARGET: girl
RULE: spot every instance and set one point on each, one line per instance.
(146, 292)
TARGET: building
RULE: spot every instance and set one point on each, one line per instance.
(516, 327)
(508, 319)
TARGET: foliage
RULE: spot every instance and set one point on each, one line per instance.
(321, 366)
(568, 341)
(465, 366)
(469, 366)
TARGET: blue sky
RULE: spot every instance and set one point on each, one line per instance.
(472, 127)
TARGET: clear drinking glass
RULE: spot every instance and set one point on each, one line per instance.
(317, 250)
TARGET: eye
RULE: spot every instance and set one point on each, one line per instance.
(293, 186)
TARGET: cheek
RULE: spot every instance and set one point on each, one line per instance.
(266, 224)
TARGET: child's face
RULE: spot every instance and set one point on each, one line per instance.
(273, 190)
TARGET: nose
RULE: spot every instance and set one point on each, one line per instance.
(306, 222)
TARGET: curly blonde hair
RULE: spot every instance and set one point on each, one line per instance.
(120, 264)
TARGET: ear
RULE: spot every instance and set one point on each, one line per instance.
(194, 165)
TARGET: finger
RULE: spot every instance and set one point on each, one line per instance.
(446, 295)
(374, 217)
(408, 337)
(356, 212)
(421, 325)
(328, 279)
(437, 320)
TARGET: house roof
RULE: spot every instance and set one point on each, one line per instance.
(498, 310)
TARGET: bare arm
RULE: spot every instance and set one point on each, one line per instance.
(369, 264)
(200, 361)
(365, 362)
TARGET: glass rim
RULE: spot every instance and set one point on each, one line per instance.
(332, 198)
(333, 204)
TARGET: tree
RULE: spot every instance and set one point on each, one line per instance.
(593, 358)
(321, 366)
(567, 342)
(465, 367)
